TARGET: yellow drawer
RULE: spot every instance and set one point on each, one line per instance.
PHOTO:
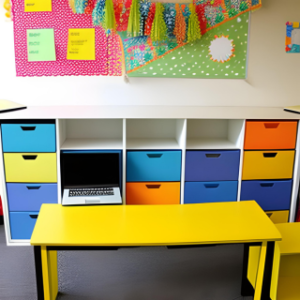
(268, 165)
(281, 216)
(30, 167)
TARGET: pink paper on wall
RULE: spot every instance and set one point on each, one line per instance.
(108, 48)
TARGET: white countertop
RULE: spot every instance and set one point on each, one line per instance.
(149, 112)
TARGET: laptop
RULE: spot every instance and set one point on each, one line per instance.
(91, 177)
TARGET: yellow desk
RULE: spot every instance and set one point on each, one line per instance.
(99, 227)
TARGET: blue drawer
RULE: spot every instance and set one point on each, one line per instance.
(203, 192)
(212, 165)
(28, 137)
(22, 224)
(30, 197)
(153, 166)
(270, 195)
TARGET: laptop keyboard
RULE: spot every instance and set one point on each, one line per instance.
(105, 191)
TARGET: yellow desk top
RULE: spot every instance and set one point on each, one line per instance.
(290, 243)
(153, 225)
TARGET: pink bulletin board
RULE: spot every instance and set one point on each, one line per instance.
(61, 18)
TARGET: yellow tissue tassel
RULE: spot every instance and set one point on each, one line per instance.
(7, 7)
(72, 5)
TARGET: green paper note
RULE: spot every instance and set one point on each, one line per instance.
(41, 45)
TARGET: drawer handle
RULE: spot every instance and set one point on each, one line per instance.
(154, 155)
(270, 155)
(269, 215)
(35, 187)
(211, 185)
(33, 216)
(212, 155)
(28, 128)
(153, 186)
(271, 125)
(29, 157)
(266, 184)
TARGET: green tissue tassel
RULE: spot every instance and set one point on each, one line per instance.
(133, 28)
(159, 27)
(109, 21)
(193, 33)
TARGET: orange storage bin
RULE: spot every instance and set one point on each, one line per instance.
(153, 193)
(264, 135)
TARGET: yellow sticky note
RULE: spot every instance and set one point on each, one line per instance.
(37, 5)
(296, 25)
(81, 44)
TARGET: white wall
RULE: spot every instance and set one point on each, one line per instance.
(2, 11)
(273, 75)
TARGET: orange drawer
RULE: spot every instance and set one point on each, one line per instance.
(153, 193)
(262, 135)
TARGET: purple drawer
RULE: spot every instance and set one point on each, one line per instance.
(212, 165)
(30, 197)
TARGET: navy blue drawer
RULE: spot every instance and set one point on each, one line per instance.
(30, 197)
(153, 166)
(270, 195)
(28, 137)
(203, 192)
(22, 224)
(212, 165)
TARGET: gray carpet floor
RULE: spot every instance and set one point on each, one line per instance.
(212, 273)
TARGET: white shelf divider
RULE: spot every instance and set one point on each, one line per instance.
(4, 199)
(241, 147)
(92, 144)
(124, 163)
(60, 138)
(210, 144)
(296, 179)
(181, 130)
(152, 144)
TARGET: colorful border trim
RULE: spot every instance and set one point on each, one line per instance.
(290, 47)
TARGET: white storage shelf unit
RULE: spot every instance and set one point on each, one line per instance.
(155, 129)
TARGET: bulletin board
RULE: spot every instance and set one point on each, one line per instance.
(137, 37)
(61, 18)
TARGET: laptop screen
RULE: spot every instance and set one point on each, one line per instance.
(90, 169)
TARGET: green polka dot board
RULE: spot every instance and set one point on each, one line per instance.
(193, 60)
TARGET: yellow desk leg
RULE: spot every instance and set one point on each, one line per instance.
(275, 272)
(253, 263)
(50, 279)
(260, 272)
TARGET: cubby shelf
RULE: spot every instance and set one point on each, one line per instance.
(214, 134)
(89, 134)
(152, 144)
(148, 134)
(210, 144)
(92, 144)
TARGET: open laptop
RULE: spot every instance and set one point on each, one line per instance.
(91, 177)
